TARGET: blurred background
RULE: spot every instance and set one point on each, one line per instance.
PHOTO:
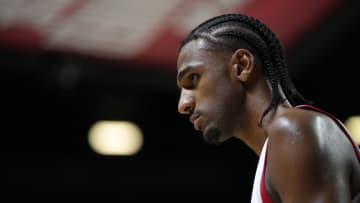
(75, 73)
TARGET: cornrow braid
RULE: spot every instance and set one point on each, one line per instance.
(234, 31)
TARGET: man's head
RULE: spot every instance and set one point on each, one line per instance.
(216, 62)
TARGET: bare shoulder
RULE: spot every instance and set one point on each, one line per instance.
(300, 126)
(298, 136)
(308, 135)
(303, 145)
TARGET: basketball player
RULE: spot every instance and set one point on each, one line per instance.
(234, 82)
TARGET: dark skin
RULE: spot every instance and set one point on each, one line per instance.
(309, 158)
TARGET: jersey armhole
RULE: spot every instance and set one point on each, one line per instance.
(264, 194)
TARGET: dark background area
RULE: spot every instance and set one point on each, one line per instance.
(50, 99)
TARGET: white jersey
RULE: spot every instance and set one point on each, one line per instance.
(259, 193)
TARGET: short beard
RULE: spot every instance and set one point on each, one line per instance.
(212, 136)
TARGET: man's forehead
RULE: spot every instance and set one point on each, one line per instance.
(196, 44)
(200, 51)
(192, 52)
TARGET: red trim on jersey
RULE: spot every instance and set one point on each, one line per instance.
(264, 195)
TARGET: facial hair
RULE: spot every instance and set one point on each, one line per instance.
(212, 135)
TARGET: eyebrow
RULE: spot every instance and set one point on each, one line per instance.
(185, 70)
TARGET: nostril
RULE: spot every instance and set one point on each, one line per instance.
(186, 102)
(187, 109)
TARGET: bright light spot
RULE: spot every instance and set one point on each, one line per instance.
(353, 124)
(115, 138)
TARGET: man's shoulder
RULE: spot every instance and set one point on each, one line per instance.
(302, 146)
(298, 122)
(302, 131)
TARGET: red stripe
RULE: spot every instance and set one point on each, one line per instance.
(287, 17)
(264, 195)
(68, 10)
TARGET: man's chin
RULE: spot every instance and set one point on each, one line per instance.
(212, 136)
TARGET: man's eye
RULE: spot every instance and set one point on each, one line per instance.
(191, 81)
(194, 78)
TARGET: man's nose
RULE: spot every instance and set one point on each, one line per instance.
(186, 102)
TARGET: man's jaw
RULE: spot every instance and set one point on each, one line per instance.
(211, 135)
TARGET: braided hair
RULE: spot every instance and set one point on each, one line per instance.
(234, 31)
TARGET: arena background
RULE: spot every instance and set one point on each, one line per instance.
(67, 64)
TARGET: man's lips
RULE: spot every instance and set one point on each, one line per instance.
(195, 119)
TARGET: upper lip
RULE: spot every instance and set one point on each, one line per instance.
(193, 117)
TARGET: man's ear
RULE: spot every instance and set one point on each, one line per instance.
(242, 63)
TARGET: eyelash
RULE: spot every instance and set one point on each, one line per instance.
(194, 76)
(193, 79)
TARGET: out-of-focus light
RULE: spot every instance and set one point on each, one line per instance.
(353, 124)
(115, 138)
